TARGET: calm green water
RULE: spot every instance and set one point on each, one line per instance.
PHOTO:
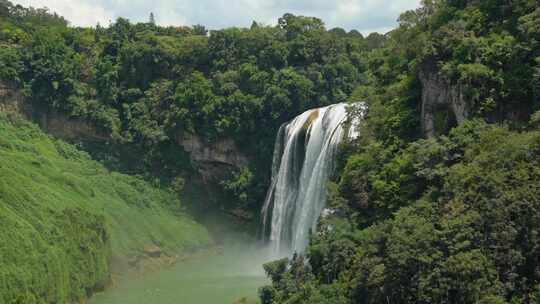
(212, 279)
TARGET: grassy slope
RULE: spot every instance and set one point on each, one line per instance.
(63, 217)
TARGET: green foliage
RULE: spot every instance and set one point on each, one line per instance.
(178, 185)
(10, 64)
(452, 219)
(65, 218)
(239, 185)
(466, 231)
(144, 84)
(489, 51)
(535, 120)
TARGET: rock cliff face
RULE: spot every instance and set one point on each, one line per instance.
(213, 158)
(57, 124)
(11, 99)
(67, 128)
(439, 96)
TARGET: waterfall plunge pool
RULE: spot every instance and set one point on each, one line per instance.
(207, 279)
(304, 156)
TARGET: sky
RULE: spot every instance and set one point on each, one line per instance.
(365, 16)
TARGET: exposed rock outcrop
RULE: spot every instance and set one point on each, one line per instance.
(67, 128)
(212, 158)
(152, 251)
(57, 124)
(11, 99)
(439, 96)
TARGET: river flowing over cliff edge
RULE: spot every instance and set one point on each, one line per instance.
(304, 159)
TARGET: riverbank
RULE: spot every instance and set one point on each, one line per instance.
(67, 222)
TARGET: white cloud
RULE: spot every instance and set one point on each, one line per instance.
(168, 16)
(363, 15)
(349, 8)
(79, 13)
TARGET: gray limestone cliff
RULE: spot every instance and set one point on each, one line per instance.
(441, 100)
(212, 158)
(11, 99)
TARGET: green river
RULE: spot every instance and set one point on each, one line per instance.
(212, 279)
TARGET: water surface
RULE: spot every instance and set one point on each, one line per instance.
(206, 279)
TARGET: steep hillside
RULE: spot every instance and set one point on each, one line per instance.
(65, 219)
(178, 98)
(454, 218)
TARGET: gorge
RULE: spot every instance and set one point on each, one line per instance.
(143, 162)
(304, 159)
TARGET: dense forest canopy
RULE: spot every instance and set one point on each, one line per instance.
(450, 219)
(144, 84)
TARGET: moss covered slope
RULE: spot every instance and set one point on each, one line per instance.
(64, 218)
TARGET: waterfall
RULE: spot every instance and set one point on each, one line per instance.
(304, 157)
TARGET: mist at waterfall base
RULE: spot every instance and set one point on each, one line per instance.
(226, 277)
(304, 159)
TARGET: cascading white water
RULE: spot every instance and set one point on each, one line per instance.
(304, 157)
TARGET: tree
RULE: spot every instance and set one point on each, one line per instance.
(198, 29)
